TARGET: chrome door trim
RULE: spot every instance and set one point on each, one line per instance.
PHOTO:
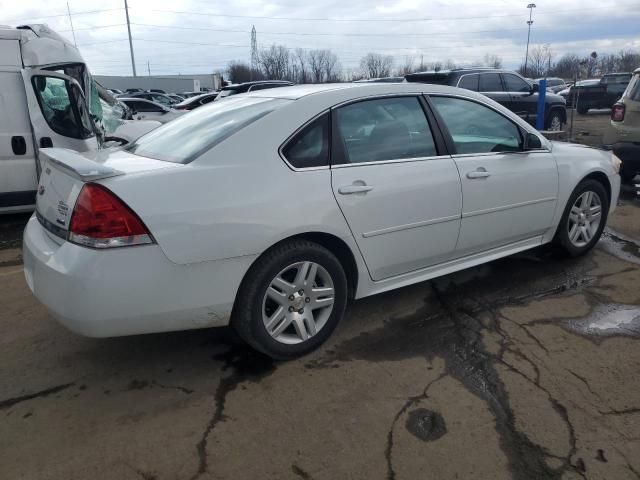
(399, 160)
(409, 226)
(507, 207)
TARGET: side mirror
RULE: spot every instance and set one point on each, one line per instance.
(532, 142)
(535, 88)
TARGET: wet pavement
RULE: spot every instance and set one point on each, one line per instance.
(524, 368)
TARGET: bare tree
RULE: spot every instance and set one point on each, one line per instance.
(567, 66)
(449, 64)
(628, 61)
(274, 62)
(539, 61)
(375, 65)
(493, 61)
(332, 67)
(406, 67)
(300, 56)
(317, 63)
(436, 66)
(241, 72)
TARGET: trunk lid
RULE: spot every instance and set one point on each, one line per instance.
(64, 173)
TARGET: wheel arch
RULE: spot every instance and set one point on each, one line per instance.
(599, 177)
(335, 245)
(556, 107)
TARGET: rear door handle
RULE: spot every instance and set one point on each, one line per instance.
(479, 173)
(349, 189)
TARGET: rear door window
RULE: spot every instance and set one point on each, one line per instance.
(384, 129)
(310, 147)
(490, 82)
(633, 89)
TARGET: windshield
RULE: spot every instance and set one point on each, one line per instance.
(189, 136)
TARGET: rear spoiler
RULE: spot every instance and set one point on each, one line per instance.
(77, 165)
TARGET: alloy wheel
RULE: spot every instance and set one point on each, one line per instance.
(584, 218)
(298, 302)
(556, 124)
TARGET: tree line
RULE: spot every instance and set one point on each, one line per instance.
(278, 62)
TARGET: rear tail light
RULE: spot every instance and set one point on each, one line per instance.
(617, 112)
(101, 220)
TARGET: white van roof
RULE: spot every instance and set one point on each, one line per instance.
(41, 46)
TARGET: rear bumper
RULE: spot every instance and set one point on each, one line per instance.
(127, 291)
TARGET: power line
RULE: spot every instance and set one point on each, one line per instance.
(329, 19)
(86, 12)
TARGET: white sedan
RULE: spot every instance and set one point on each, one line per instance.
(269, 210)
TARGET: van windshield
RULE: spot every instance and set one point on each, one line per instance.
(187, 137)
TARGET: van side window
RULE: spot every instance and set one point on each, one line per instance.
(61, 105)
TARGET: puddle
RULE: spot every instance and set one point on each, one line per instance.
(621, 246)
(609, 320)
(426, 425)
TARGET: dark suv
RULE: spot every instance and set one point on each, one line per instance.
(505, 87)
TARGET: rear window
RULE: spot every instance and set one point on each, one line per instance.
(189, 136)
(633, 90)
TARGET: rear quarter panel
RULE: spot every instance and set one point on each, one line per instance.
(238, 199)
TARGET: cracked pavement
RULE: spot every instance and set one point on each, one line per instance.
(524, 368)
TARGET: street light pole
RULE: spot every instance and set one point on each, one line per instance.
(531, 6)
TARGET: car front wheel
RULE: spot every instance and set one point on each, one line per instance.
(554, 123)
(291, 299)
(584, 218)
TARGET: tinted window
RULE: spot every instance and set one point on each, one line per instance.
(490, 82)
(633, 90)
(515, 83)
(208, 99)
(476, 128)
(161, 99)
(145, 107)
(189, 136)
(62, 106)
(385, 129)
(310, 147)
(470, 82)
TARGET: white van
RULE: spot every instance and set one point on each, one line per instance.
(47, 99)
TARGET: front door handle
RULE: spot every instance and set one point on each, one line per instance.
(479, 173)
(349, 189)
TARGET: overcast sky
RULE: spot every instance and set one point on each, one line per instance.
(200, 36)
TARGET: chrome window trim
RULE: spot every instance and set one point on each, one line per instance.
(397, 160)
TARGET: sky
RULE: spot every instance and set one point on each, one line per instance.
(200, 36)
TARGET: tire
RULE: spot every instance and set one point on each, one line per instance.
(580, 246)
(583, 110)
(250, 317)
(554, 122)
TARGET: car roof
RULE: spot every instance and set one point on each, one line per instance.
(137, 99)
(256, 82)
(296, 92)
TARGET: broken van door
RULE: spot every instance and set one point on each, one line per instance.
(58, 111)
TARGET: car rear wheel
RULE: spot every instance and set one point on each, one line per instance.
(291, 300)
(582, 110)
(583, 219)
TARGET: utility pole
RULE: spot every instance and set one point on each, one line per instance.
(254, 51)
(72, 30)
(133, 60)
(531, 6)
(148, 68)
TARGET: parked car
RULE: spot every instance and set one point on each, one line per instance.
(195, 102)
(186, 95)
(602, 93)
(133, 90)
(251, 87)
(505, 87)
(554, 84)
(175, 97)
(144, 109)
(269, 211)
(156, 90)
(161, 98)
(114, 91)
(381, 80)
(566, 92)
(625, 129)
